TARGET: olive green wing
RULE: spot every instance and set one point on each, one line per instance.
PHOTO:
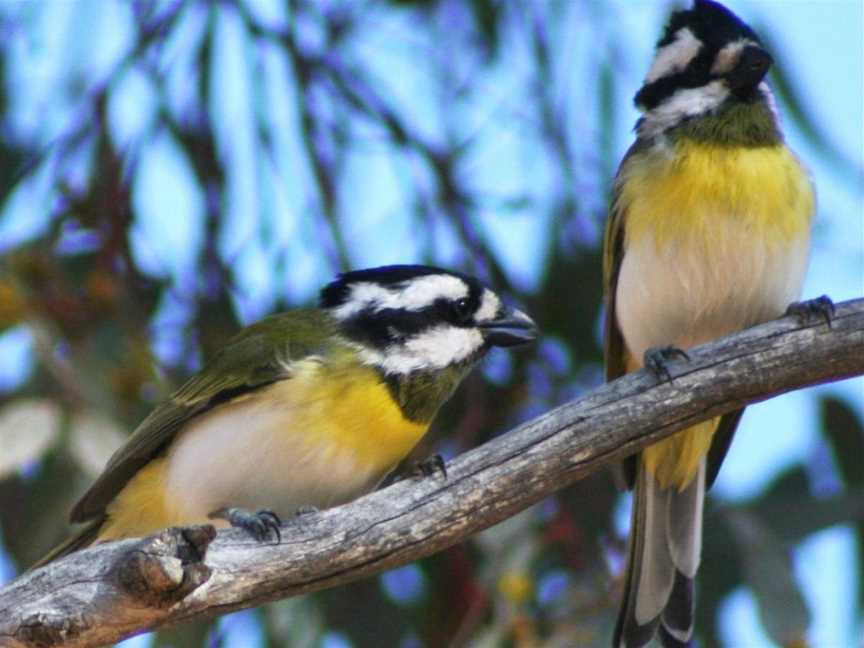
(614, 348)
(615, 352)
(259, 355)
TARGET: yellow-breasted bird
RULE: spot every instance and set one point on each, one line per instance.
(708, 233)
(309, 408)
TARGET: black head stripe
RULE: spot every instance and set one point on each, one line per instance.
(383, 327)
(379, 326)
(387, 326)
(337, 292)
(696, 74)
(715, 27)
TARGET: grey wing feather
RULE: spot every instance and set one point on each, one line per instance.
(720, 443)
(615, 350)
(629, 633)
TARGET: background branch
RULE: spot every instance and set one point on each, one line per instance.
(114, 590)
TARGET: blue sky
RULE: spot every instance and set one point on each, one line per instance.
(822, 48)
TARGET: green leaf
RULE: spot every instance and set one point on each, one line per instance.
(93, 438)
(844, 431)
(768, 572)
(792, 512)
(28, 427)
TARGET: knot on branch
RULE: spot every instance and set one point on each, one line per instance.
(47, 629)
(165, 567)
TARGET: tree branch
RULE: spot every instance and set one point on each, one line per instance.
(114, 590)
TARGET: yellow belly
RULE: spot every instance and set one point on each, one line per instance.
(716, 239)
(323, 437)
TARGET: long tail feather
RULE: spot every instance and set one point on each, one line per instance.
(665, 545)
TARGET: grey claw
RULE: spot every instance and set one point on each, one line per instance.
(429, 466)
(260, 525)
(656, 360)
(808, 310)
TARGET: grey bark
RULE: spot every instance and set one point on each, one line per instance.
(105, 593)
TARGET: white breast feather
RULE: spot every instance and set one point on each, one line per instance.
(691, 294)
(241, 455)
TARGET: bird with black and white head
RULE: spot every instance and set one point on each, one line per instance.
(708, 233)
(308, 408)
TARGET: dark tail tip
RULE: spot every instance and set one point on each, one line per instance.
(676, 630)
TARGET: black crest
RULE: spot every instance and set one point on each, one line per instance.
(711, 23)
(382, 326)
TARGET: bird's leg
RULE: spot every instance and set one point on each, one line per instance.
(429, 466)
(656, 360)
(259, 524)
(806, 311)
(417, 470)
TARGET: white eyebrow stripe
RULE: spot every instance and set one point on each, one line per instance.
(490, 304)
(727, 57)
(675, 56)
(414, 294)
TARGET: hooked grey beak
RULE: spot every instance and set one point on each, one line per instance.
(511, 328)
(750, 70)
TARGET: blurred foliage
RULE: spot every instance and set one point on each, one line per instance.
(110, 331)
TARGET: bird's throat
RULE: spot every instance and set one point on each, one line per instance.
(420, 394)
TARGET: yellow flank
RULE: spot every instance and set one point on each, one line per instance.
(140, 507)
(763, 188)
(332, 427)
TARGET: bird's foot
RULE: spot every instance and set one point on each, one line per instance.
(656, 360)
(305, 510)
(261, 525)
(429, 466)
(811, 309)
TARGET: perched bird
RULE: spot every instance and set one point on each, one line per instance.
(309, 408)
(708, 233)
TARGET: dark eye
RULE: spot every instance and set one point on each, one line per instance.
(462, 311)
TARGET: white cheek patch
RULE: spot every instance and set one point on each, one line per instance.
(434, 348)
(490, 304)
(413, 295)
(684, 103)
(675, 56)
